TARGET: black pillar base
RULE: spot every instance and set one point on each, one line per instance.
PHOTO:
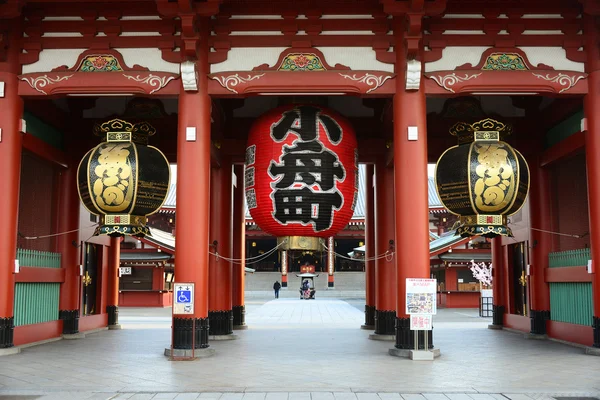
(7, 329)
(596, 325)
(239, 315)
(369, 315)
(182, 333)
(538, 321)
(70, 320)
(284, 284)
(221, 322)
(329, 284)
(498, 315)
(405, 338)
(113, 315)
(384, 322)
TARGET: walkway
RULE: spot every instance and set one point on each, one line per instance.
(300, 350)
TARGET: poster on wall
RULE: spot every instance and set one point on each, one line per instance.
(421, 296)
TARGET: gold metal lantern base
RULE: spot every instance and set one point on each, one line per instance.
(299, 243)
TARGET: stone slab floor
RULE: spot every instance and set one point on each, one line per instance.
(300, 350)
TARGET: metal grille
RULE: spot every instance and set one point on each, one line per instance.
(486, 307)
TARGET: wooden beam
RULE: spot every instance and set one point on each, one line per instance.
(567, 274)
(564, 149)
(35, 274)
(44, 150)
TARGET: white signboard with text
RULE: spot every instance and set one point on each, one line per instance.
(183, 298)
(421, 322)
(421, 296)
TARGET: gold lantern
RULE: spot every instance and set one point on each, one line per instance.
(483, 180)
(123, 179)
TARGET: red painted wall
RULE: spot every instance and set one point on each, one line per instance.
(145, 299)
(461, 299)
(570, 332)
(91, 322)
(25, 334)
(570, 205)
(517, 322)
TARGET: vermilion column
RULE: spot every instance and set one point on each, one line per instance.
(11, 110)
(369, 248)
(193, 205)
(412, 207)
(330, 262)
(67, 245)
(112, 300)
(592, 150)
(541, 245)
(239, 250)
(220, 311)
(385, 268)
(498, 277)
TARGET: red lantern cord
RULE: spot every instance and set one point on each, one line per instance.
(54, 234)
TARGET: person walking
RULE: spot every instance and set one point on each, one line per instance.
(276, 287)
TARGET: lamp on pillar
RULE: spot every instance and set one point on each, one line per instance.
(123, 179)
(483, 179)
(301, 175)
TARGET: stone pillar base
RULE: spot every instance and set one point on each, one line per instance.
(416, 355)
(368, 327)
(596, 325)
(10, 351)
(534, 336)
(495, 327)
(223, 337)
(116, 327)
(386, 338)
(240, 327)
(113, 315)
(538, 321)
(188, 353)
(498, 315)
(405, 338)
(369, 315)
(592, 351)
(73, 336)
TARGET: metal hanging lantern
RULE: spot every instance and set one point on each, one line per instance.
(301, 174)
(123, 179)
(483, 180)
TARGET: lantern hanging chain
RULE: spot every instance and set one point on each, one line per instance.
(237, 260)
(388, 255)
(54, 234)
(560, 233)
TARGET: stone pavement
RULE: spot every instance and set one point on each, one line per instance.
(301, 350)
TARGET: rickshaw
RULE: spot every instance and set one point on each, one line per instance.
(307, 285)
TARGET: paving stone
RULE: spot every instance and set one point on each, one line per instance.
(168, 396)
(185, 396)
(435, 396)
(210, 395)
(480, 396)
(321, 396)
(367, 396)
(299, 396)
(277, 396)
(344, 396)
(413, 397)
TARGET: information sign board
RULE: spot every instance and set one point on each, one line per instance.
(421, 296)
(183, 298)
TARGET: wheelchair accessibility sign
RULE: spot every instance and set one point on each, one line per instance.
(183, 298)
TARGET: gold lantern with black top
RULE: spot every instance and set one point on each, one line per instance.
(123, 179)
(483, 180)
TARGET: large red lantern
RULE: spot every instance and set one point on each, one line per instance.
(301, 171)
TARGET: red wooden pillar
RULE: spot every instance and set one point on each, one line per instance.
(499, 306)
(193, 206)
(239, 250)
(220, 311)
(11, 110)
(410, 185)
(385, 268)
(284, 268)
(369, 248)
(67, 245)
(112, 300)
(330, 261)
(592, 149)
(540, 245)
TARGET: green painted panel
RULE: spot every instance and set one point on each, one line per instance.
(41, 259)
(563, 130)
(569, 258)
(571, 302)
(36, 302)
(43, 131)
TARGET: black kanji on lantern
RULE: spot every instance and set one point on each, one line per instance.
(306, 192)
(305, 205)
(304, 122)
